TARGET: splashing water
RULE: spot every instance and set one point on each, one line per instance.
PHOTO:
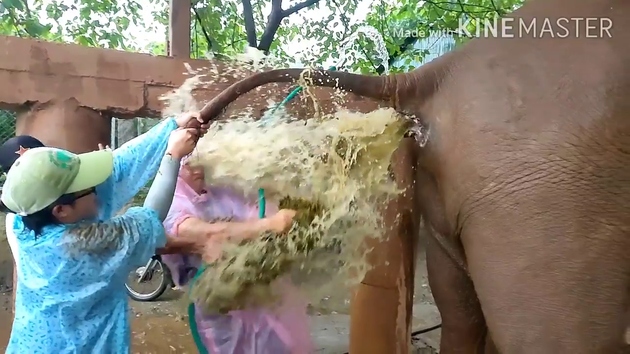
(379, 43)
(336, 165)
(257, 57)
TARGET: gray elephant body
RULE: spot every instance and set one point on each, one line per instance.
(527, 191)
(524, 182)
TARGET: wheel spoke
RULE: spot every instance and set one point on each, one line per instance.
(145, 283)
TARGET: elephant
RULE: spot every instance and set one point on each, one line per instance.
(524, 180)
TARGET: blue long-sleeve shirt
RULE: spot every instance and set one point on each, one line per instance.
(78, 304)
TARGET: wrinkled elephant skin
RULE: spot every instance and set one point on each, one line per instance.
(524, 181)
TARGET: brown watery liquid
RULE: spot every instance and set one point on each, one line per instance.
(339, 163)
(332, 169)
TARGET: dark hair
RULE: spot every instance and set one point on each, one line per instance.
(37, 221)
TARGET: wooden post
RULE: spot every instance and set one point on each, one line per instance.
(179, 29)
(381, 308)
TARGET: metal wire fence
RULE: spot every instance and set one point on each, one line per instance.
(7, 125)
(7, 130)
(124, 130)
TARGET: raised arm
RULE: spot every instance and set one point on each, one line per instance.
(160, 196)
(138, 160)
(135, 163)
(193, 235)
(222, 231)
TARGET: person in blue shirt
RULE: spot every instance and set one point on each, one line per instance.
(132, 167)
(135, 163)
(73, 263)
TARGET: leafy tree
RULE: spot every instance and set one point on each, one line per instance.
(403, 22)
(226, 27)
(103, 23)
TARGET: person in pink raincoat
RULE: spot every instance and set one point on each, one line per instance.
(223, 213)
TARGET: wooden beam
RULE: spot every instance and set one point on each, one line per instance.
(125, 84)
(179, 28)
(128, 85)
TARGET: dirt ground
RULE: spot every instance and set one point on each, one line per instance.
(162, 326)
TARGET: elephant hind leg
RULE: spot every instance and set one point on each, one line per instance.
(546, 286)
(463, 326)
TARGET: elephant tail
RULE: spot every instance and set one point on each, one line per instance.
(398, 90)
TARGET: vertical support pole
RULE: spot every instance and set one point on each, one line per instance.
(382, 305)
(113, 133)
(179, 28)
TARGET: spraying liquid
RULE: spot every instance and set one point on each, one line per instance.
(373, 35)
(333, 170)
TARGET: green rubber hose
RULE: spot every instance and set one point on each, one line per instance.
(192, 318)
(262, 203)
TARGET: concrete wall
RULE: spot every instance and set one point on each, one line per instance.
(65, 124)
(121, 84)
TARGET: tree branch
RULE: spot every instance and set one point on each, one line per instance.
(203, 29)
(26, 8)
(17, 24)
(297, 7)
(275, 19)
(250, 25)
(273, 23)
(447, 6)
(408, 42)
(276, 6)
(344, 20)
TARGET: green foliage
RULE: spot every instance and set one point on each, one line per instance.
(219, 26)
(400, 21)
(102, 23)
(222, 21)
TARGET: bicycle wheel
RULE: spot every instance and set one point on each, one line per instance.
(155, 282)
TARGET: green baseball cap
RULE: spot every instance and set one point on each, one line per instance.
(41, 175)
